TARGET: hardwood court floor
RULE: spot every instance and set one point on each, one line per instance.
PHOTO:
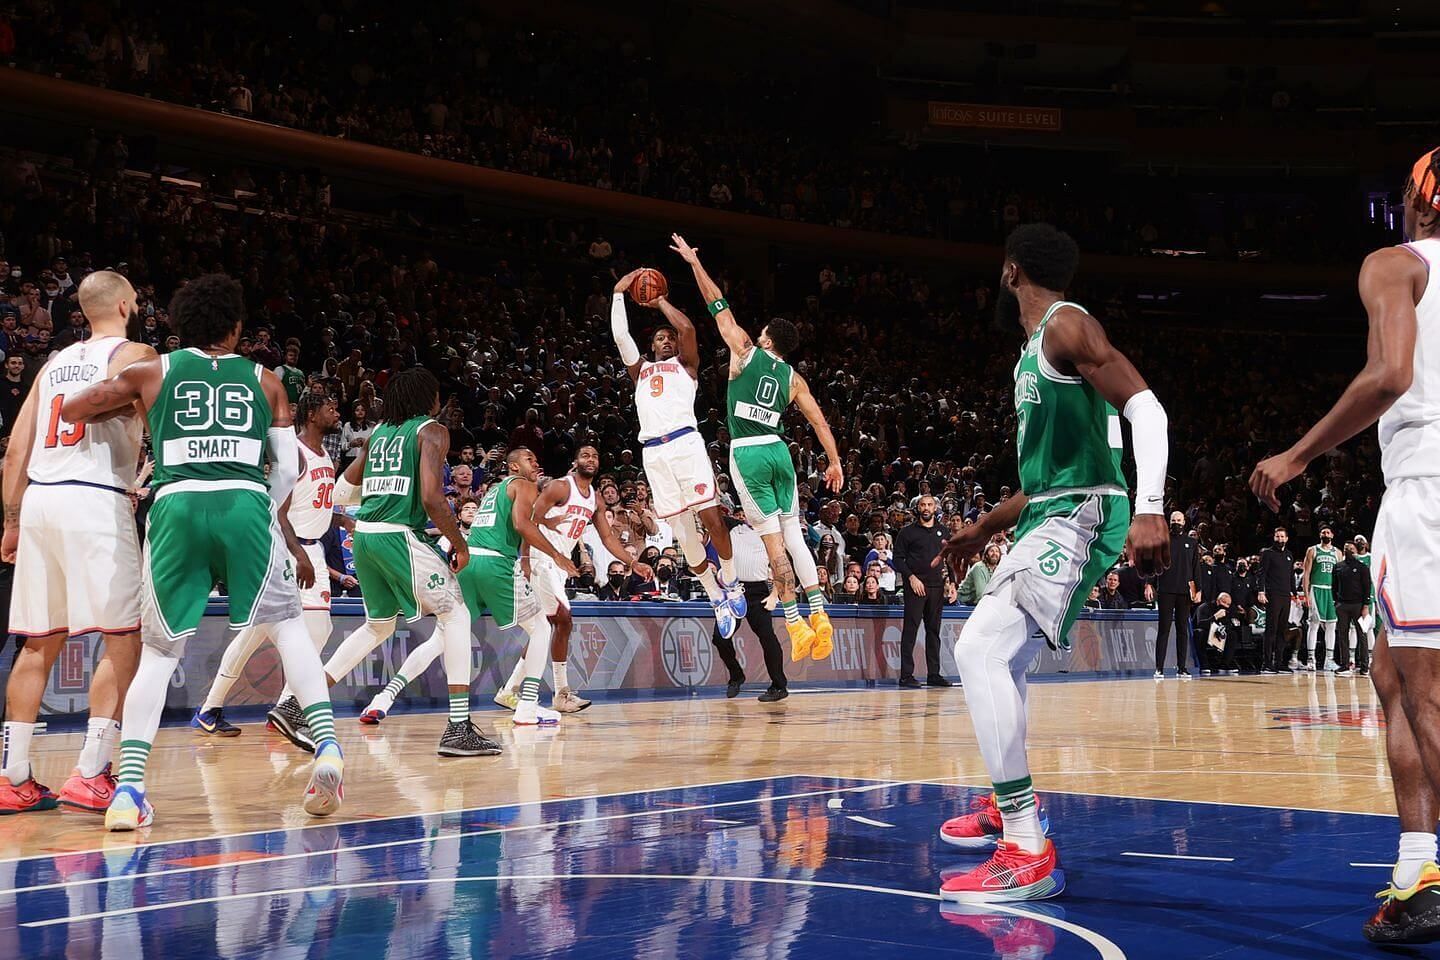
(1297, 741)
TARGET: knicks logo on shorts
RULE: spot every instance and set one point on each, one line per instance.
(700, 488)
(325, 595)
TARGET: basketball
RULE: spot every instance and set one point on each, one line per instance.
(649, 285)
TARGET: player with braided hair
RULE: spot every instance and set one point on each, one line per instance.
(304, 520)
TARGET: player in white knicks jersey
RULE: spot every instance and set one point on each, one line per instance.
(70, 531)
(1400, 386)
(304, 519)
(677, 465)
(566, 507)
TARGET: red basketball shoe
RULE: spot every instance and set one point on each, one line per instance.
(981, 829)
(1012, 874)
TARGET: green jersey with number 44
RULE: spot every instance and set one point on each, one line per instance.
(390, 490)
(1066, 435)
(757, 398)
(209, 419)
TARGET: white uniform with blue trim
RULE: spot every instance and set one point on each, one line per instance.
(77, 565)
(1406, 546)
(677, 465)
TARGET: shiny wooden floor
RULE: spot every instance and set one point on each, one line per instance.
(1298, 741)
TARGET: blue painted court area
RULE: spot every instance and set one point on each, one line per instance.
(788, 867)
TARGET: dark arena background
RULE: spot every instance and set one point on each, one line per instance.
(1218, 760)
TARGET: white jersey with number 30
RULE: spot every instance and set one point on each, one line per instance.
(311, 509)
(664, 398)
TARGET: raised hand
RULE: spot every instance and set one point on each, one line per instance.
(689, 254)
(624, 282)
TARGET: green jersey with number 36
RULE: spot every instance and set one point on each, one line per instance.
(209, 419)
(757, 398)
(390, 490)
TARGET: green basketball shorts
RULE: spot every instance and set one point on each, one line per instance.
(199, 534)
(1064, 544)
(1322, 601)
(401, 572)
(764, 477)
(493, 583)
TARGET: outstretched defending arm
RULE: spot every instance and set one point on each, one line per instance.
(735, 338)
(1075, 340)
(805, 400)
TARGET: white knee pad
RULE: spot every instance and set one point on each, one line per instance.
(801, 559)
(691, 546)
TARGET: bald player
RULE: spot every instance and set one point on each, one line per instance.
(70, 531)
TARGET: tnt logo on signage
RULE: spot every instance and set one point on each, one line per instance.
(73, 661)
(890, 646)
(589, 644)
(685, 652)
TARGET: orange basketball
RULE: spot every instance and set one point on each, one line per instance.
(648, 286)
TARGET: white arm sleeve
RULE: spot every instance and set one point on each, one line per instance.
(1150, 431)
(620, 329)
(285, 465)
(345, 494)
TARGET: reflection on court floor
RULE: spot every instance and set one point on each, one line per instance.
(782, 867)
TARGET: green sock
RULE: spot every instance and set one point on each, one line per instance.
(1014, 796)
(393, 688)
(530, 689)
(459, 707)
(816, 599)
(792, 610)
(320, 718)
(134, 754)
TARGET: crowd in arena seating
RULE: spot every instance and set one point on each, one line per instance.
(914, 378)
(587, 109)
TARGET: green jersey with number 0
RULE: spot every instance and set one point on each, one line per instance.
(493, 529)
(757, 398)
(390, 490)
(1066, 434)
(209, 419)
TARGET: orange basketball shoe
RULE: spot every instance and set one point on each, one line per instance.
(90, 794)
(824, 632)
(25, 797)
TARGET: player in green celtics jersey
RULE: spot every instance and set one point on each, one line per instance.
(398, 482)
(1319, 575)
(762, 387)
(212, 416)
(292, 378)
(1072, 518)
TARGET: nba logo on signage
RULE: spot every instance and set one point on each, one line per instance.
(71, 673)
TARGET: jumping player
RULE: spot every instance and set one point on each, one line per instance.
(677, 465)
(1397, 386)
(70, 531)
(212, 414)
(762, 386)
(563, 510)
(1073, 512)
(398, 483)
(1318, 574)
(304, 518)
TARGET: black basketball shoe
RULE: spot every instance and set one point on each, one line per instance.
(1411, 915)
(288, 720)
(463, 739)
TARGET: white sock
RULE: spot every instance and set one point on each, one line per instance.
(1416, 850)
(707, 580)
(562, 680)
(17, 751)
(1023, 828)
(97, 732)
(1310, 633)
(516, 676)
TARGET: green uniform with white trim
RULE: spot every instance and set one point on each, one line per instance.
(401, 569)
(760, 463)
(1322, 579)
(1078, 515)
(213, 520)
(493, 581)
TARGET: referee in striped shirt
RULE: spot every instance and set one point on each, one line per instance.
(752, 567)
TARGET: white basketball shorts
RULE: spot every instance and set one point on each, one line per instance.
(317, 596)
(77, 566)
(548, 582)
(680, 475)
(1406, 562)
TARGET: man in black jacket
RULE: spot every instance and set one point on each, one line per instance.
(915, 547)
(1351, 581)
(1277, 574)
(1175, 591)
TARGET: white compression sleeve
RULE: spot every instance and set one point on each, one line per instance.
(285, 468)
(1150, 433)
(345, 494)
(620, 328)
